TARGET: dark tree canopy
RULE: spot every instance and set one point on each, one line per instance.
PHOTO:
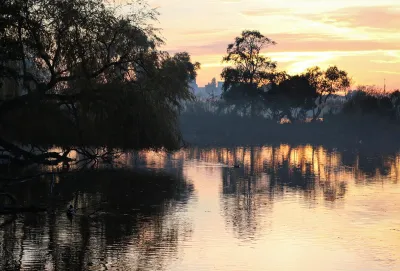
(83, 73)
(368, 104)
(290, 94)
(249, 65)
(250, 70)
(327, 83)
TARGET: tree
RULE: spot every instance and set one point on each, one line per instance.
(326, 83)
(365, 102)
(250, 70)
(395, 99)
(89, 76)
(293, 96)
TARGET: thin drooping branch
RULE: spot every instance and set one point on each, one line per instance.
(45, 158)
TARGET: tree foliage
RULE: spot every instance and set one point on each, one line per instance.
(250, 70)
(368, 102)
(292, 97)
(250, 66)
(89, 74)
(251, 81)
(327, 83)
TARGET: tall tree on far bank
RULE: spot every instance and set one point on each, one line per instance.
(250, 70)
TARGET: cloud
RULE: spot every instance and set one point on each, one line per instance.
(292, 42)
(203, 32)
(378, 17)
(382, 18)
(386, 61)
(387, 72)
(357, 63)
(267, 12)
(325, 42)
(217, 47)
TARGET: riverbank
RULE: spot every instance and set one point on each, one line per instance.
(225, 131)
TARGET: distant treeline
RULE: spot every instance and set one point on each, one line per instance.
(365, 102)
(359, 118)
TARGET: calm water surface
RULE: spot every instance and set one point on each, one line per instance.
(285, 208)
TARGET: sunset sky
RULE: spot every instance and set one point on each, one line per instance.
(361, 37)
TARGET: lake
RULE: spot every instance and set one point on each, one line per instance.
(285, 208)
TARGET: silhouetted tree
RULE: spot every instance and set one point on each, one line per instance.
(326, 83)
(89, 76)
(250, 70)
(292, 97)
(395, 99)
(366, 103)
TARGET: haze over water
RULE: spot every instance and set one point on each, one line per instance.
(285, 208)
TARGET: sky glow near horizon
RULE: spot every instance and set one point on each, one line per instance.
(361, 37)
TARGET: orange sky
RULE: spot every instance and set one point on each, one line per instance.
(361, 37)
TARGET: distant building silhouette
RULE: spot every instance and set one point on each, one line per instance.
(204, 93)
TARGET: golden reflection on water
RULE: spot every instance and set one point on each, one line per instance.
(313, 166)
(295, 206)
(285, 208)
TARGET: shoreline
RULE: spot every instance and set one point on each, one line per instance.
(348, 133)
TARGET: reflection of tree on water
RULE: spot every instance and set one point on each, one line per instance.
(326, 164)
(305, 169)
(124, 220)
(270, 172)
(375, 166)
(244, 198)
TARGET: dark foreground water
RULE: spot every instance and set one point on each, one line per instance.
(285, 208)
